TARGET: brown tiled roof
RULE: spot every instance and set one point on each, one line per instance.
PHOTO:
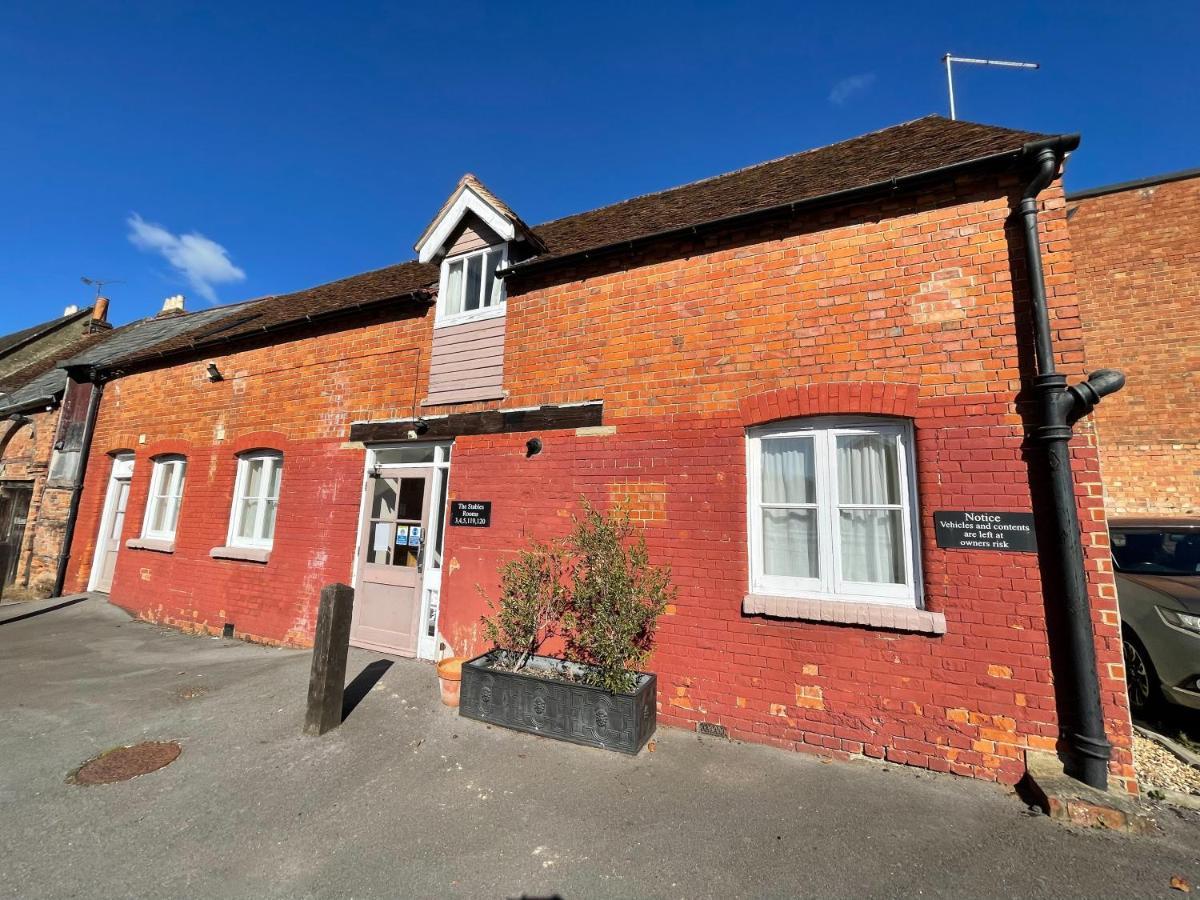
(271, 313)
(900, 151)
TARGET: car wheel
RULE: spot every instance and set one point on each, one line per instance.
(1140, 677)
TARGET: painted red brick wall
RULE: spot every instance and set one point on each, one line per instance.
(916, 294)
(1138, 256)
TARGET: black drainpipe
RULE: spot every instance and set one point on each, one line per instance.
(1060, 407)
(85, 450)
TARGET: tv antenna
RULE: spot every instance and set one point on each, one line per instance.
(950, 59)
(98, 284)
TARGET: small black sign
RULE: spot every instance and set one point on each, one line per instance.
(985, 531)
(472, 513)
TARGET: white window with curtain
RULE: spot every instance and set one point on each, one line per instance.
(469, 287)
(166, 496)
(833, 510)
(255, 499)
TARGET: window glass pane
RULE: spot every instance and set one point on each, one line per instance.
(867, 470)
(872, 545)
(453, 288)
(252, 486)
(276, 467)
(788, 471)
(412, 498)
(379, 546)
(418, 453)
(158, 509)
(249, 518)
(474, 276)
(383, 500)
(790, 542)
(172, 517)
(269, 520)
(492, 285)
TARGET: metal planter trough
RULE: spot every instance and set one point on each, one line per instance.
(550, 705)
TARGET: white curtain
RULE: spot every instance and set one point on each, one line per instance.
(871, 540)
(453, 298)
(789, 535)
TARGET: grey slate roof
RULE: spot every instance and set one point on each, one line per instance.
(144, 333)
(17, 339)
(100, 349)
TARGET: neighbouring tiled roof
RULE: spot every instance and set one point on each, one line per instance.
(270, 313)
(42, 381)
(18, 338)
(900, 151)
(912, 148)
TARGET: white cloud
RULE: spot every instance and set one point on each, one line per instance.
(204, 263)
(849, 87)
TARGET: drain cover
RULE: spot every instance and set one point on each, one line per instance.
(124, 763)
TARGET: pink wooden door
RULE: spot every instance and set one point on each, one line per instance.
(387, 602)
(110, 537)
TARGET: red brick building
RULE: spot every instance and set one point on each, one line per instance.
(785, 372)
(1137, 253)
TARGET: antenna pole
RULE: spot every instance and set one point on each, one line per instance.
(950, 84)
(948, 59)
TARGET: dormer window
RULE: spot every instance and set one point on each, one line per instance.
(469, 286)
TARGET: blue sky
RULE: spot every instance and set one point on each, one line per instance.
(243, 149)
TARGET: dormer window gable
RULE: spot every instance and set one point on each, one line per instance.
(473, 235)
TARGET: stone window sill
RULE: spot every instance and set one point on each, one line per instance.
(869, 615)
(246, 554)
(158, 546)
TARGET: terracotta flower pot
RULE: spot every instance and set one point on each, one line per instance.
(450, 675)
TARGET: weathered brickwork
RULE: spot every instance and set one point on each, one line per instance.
(905, 308)
(1138, 255)
(25, 451)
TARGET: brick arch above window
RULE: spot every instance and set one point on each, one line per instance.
(877, 398)
(18, 441)
(168, 447)
(257, 440)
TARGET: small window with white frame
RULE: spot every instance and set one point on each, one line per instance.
(469, 287)
(166, 497)
(255, 499)
(832, 506)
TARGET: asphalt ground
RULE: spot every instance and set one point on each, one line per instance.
(406, 799)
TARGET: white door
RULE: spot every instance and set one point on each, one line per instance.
(397, 571)
(112, 522)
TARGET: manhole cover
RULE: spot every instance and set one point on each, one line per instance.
(124, 763)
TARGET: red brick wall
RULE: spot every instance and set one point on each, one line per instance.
(917, 292)
(1138, 256)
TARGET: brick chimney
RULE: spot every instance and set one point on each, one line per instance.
(172, 306)
(99, 320)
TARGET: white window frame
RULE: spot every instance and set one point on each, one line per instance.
(166, 486)
(830, 585)
(474, 315)
(272, 460)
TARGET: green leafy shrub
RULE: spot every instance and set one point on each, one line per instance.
(532, 601)
(616, 598)
(596, 588)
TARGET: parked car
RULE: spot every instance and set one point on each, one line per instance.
(1158, 590)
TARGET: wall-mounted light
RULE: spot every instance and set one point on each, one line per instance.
(214, 374)
(533, 447)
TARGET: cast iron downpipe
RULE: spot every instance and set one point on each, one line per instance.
(1060, 406)
(85, 450)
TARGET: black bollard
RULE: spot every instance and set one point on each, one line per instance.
(328, 679)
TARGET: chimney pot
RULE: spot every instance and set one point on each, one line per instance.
(172, 305)
(71, 310)
(100, 310)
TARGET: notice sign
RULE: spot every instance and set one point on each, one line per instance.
(471, 513)
(985, 531)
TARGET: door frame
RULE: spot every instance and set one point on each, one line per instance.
(120, 470)
(431, 578)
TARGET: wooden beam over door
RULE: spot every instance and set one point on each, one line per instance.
(494, 421)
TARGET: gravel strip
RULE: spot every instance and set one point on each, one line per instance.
(1159, 767)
